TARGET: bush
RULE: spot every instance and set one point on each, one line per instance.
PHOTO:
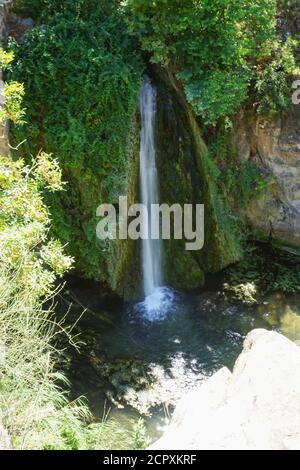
(263, 270)
(274, 78)
(82, 78)
(213, 46)
(42, 9)
(32, 404)
(34, 407)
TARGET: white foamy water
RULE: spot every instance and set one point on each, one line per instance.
(157, 305)
(151, 249)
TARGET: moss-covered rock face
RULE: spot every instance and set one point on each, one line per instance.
(123, 260)
(115, 263)
(82, 80)
(187, 176)
(82, 106)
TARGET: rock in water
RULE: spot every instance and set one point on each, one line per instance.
(256, 407)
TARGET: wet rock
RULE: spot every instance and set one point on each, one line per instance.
(184, 176)
(127, 382)
(17, 27)
(256, 407)
(145, 387)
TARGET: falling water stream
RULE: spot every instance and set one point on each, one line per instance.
(151, 249)
(157, 298)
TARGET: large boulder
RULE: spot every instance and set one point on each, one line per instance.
(256, 407)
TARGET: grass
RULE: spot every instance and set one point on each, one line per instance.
(34, 404)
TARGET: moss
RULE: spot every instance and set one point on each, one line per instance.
(81, 98)
(91, 125)
(187, 176)
(183, 271)
(124, 255)
(266, 269)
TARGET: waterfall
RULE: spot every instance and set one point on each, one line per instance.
(159, 300)
(151, 249)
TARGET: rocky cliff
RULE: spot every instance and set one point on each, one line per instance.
(274, 145)
(275, 149)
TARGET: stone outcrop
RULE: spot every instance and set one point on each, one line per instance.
(256, 407)
(275, 149)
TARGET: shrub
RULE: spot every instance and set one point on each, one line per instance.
(82, 78)
(34, 405)
(212, 46)
(264, 271)
(274, 78)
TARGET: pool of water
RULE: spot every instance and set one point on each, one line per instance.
(178, 345)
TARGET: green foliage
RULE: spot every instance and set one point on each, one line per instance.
(12, 92)
(239, 180)
(6, 58)
(218, 94)
(43, 9)
(209, 45)
(33, 8)
(31, 403)
(34, 407)
(81, 88)
(81, 78)
(30, 399)
(236, 181)
(228, 223)
(140, 438)
(24, 226)
(242, 181)
(262, 271)
(243, 291)
(273, 83)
